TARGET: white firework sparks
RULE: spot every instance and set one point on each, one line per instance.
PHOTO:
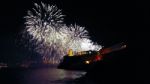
(51, 37)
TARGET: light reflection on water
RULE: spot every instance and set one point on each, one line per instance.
(51, 76)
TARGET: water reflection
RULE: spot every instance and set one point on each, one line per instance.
(39, 76)
(50, 76)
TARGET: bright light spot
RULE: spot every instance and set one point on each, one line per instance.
(87, 62)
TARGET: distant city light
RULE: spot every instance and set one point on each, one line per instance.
(87, 62)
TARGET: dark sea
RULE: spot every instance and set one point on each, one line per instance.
(50, 75)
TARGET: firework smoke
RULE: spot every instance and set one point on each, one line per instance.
(48, 35)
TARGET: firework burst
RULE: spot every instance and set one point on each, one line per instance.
(51, 37)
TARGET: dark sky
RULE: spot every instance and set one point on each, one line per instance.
(108, 22)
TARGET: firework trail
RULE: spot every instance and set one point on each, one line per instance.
(49, 36)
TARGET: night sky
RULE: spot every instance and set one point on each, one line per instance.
(108, 23)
